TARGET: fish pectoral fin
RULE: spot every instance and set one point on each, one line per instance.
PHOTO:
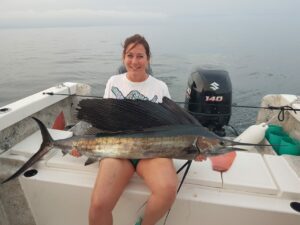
(64, 152)
(90, 160)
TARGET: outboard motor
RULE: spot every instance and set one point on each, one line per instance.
(209, 97)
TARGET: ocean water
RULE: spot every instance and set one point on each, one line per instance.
(262, 57)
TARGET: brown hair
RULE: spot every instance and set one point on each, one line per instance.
(135, 40)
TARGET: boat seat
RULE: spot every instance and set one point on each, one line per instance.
(199, 174)
(69, 162)
(250, 173)
(286, 178)
(31, 144)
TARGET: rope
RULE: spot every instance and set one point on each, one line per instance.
(281, 114)
(75, 95)
(282, 109)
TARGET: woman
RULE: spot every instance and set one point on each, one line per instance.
(114, 174)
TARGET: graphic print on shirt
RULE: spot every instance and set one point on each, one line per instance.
(132, 95)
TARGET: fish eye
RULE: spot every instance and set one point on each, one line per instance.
(222, 143)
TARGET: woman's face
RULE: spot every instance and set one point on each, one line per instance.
(136, 60)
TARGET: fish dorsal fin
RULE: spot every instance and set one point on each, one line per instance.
(127, 115)
(167, 131)
(183, 116)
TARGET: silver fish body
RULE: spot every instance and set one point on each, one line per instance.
(179, 141)
(179, 147)
(169, 142)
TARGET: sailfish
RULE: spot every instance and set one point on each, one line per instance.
(135, 129)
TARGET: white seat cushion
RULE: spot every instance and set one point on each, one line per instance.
(249, 173)
(31, 144)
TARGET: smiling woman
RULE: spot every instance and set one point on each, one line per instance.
(136, 57)
(114, 174)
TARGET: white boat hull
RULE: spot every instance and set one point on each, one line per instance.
(60, 196)
(258, 189)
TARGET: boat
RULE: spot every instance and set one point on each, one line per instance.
(257, 188)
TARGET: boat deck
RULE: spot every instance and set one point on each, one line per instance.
(268, 179)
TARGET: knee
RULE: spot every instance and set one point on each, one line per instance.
(99, 206)
(167, 190)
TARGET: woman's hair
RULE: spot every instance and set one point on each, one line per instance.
(135, 40)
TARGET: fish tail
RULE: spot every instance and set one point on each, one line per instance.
(46, 145)
(44, 131)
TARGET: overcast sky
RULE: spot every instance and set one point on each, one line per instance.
(28, 13)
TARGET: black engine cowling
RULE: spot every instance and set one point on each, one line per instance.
(209, 97)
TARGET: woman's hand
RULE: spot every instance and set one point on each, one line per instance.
(200, 158)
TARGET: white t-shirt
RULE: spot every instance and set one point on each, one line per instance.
(152, 89)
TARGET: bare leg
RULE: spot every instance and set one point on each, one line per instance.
(112, 178)
(160, 176)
